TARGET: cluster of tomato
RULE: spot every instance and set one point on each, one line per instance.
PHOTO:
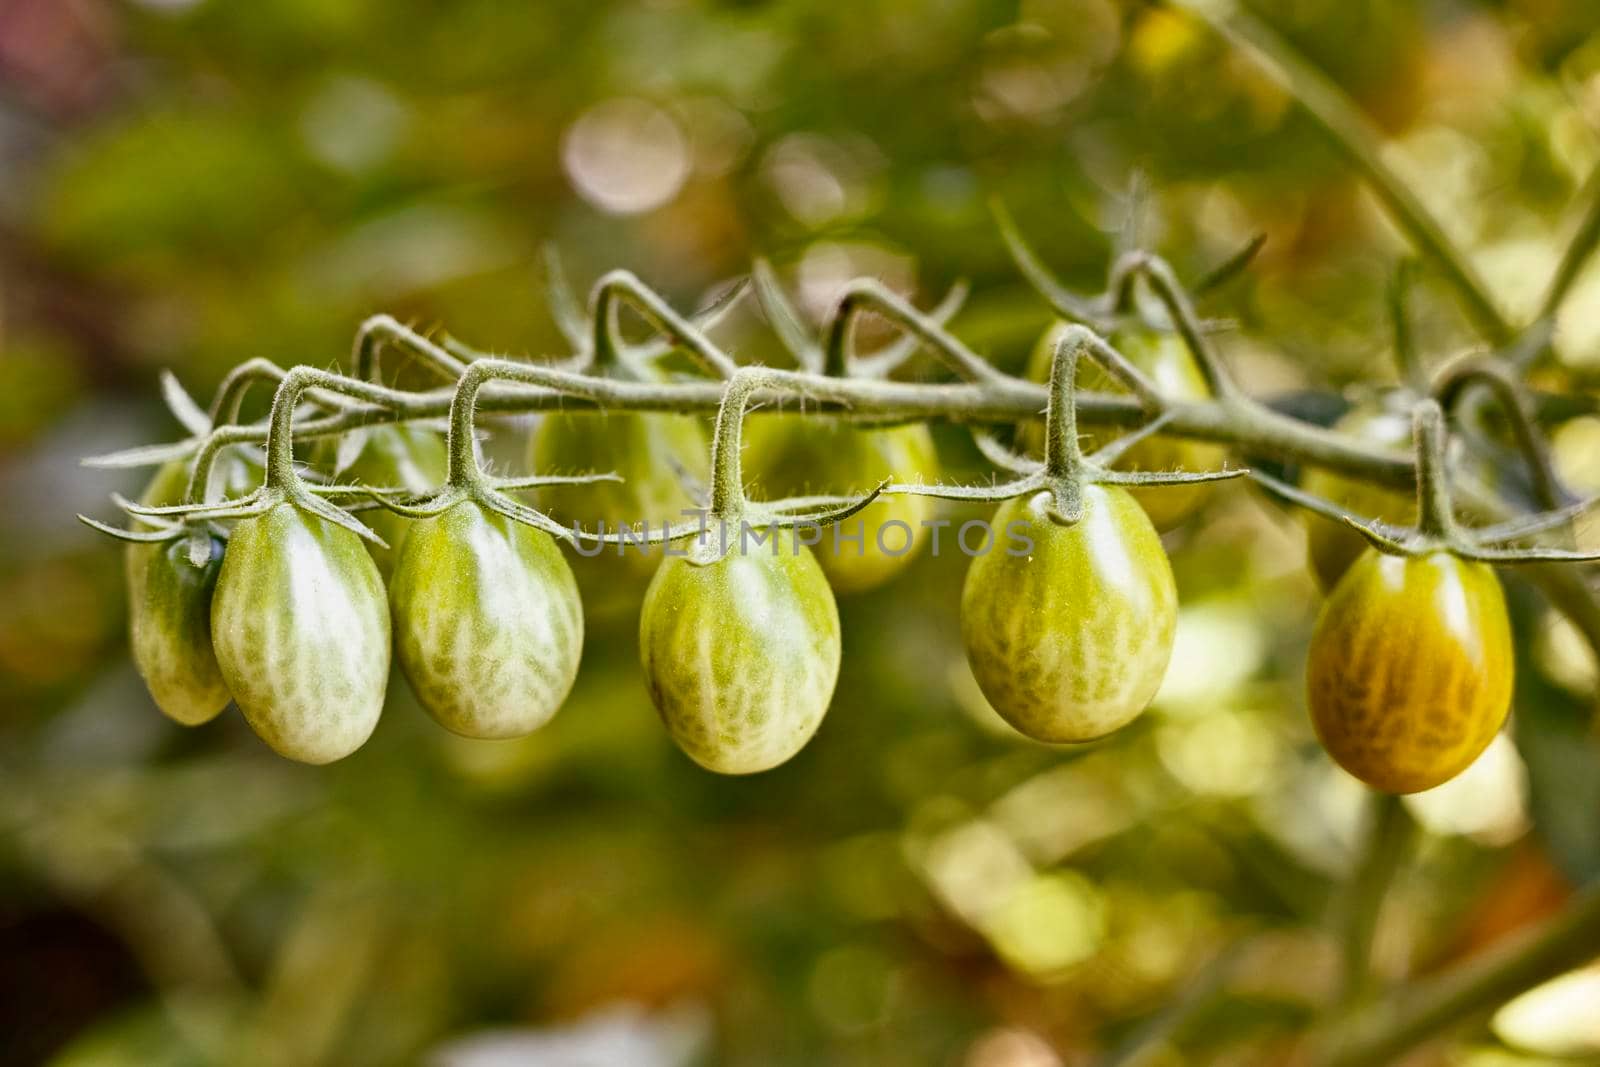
(1409, 672)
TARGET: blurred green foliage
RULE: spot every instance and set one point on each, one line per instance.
(188, 183)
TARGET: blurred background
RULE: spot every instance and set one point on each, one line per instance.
(188, 183)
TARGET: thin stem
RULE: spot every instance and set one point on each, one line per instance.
(1180, 308)
(1405, 342)
(1578, 250)
(1435, 513)
(1455, 379)
(280, 433)
(727, 471)
(621, 287)
(237, 382)
(380, 331)
(871, 295)
(1361, 145)
(1388, 836)
(1249, 426)
(1383, 1033)
(1063, 456)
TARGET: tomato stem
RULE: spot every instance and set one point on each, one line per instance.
(1164, 283)
(1436, 514)
(381, 331)
(1512, 399)
(869, 294)
(621, 287)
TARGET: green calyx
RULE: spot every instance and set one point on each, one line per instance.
(1438, 528)
(1065, 470)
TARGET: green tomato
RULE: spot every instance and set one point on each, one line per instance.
(636, 447)
(300, 624)
(741, 655)
(169, 602)
(1165, 359)
(796, 456)
(1410, 671)
(487, 622)
(1332, 546)
(402, 456)
(169, 630)
(1070, 640)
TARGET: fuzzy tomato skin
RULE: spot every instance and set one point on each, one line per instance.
(1410, 670)
(487, 622)
(1070, 642)
(635, 446)
(301, 628)
(741, 655)
(169, 631)
(1332, 546)
(405, 456)
(793, 456)
(1165, 359)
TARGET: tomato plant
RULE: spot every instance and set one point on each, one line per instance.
(487, 623)
(1410, 671)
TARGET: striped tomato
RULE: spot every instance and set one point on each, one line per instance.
(488, 627)
(1410, 671)
(1069, 641)
(301, 629)
(741, 655)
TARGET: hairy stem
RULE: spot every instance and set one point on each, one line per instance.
(1435, 513)
(1513, 401)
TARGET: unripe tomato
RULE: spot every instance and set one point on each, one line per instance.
(301, 628)
(635, 446)
(1165, 359)
(169, 603)
(401, 456)
(488, 627)
(169, 624)
(741, 655)
(1333, 546)
(795, 456)
(1410, 671)
(1070, 641)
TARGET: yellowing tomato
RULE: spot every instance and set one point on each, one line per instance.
(1411, 666)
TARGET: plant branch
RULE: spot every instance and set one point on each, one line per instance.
(1350, 131)
(1393, 1025)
